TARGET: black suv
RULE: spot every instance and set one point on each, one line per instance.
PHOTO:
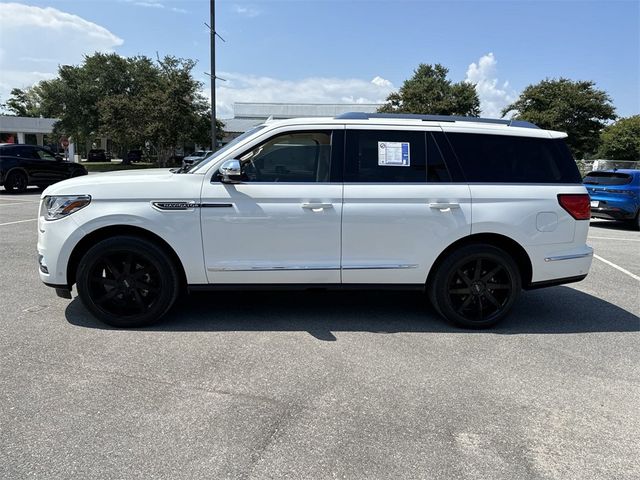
(24, 165)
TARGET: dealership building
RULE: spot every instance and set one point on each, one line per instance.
(248, 115)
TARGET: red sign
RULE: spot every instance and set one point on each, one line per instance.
(64, 141)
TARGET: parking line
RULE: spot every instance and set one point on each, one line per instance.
(617, 238)
(617, 267)
(19, 221)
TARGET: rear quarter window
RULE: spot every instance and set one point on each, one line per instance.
(513, 159)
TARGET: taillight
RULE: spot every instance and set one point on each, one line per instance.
(577, 204)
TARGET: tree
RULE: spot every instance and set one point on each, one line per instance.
(621, 141)
(574, 107)
(430, 92)
(131, 100)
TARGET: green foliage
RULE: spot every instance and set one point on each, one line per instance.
(131, 100)
(430, 92)
(621, 141)
(574, 107)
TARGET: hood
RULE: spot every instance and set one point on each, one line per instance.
(139, 183)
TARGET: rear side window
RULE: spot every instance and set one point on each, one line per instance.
(512, 159)
(385, 156)
(607, 178)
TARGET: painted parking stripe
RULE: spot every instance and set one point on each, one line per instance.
(617, 238)
(19, 221)
(617, 267)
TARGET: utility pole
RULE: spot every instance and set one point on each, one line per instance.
(212, 27)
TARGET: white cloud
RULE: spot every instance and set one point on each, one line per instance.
(246, 11)
(249, 88)
(493, 96)
(157, 4)
(62, 38)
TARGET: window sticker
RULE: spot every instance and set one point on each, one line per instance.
(394, 154)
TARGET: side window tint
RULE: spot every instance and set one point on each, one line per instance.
(289, 157)
(512, 159)
(385, 156)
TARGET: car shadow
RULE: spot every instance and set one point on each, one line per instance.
(555, 310)
(612, 225)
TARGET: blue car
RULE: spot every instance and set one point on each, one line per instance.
(615, 195)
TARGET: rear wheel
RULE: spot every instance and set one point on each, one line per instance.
(476, 286)
(127, 281)
(16, 182)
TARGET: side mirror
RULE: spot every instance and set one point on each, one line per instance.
(231, 172)
(59, 158)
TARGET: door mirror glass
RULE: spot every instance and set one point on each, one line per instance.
(230, 171)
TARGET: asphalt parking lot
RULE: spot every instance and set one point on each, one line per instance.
(321, 385)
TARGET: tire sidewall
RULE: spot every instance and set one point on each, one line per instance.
(11, 181)
(169, 280)
(440, 295)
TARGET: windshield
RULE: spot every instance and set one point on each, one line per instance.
(226, 148)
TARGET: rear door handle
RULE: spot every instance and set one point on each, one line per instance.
(317, 207)
(444, 205)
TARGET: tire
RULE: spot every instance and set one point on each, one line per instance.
(476, 286)
(127, 281)
(16, 182)
(77, 173)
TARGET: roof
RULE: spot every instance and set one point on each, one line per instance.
(447, 123)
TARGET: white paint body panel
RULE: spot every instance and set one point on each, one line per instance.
(389, 225)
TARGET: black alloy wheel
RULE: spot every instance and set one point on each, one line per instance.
(476, 286)
(127, 281)
(16, 182)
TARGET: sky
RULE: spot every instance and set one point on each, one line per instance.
(339, 51)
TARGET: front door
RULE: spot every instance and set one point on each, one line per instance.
(282, 223)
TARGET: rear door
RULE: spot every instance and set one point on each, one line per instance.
(401, 208)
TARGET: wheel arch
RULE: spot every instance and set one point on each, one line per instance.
(103, 233)
(510, 246)
(18, 169)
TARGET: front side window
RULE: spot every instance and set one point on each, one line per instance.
(385, 156)
(289, 157)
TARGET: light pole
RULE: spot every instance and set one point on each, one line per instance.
(213, 75)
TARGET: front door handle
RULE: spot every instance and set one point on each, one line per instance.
(444, 205)
(317, 207)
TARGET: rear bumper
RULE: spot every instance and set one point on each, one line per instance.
(612, 213)
(555, 282)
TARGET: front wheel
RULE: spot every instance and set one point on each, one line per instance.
(476, 286)
(127, 281)
(16, 182)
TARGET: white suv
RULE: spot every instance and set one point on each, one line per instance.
(467, 209)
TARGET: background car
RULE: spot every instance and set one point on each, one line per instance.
(98, 155)
(133, 156)
(195, 158)
(615, 195)
(24, 165)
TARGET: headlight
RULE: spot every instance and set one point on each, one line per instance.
(56, 207)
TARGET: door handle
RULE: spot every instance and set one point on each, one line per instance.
(444, 206)
(317, 207)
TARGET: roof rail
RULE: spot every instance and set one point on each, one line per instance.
(433, 118)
